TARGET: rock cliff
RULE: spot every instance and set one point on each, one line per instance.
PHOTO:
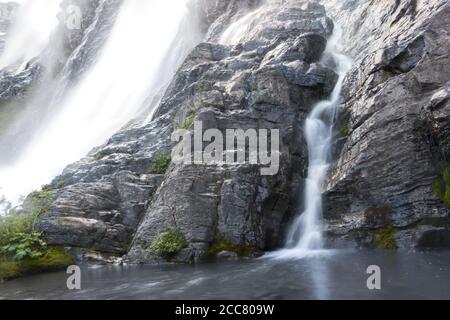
(259, 66)
(393, 155)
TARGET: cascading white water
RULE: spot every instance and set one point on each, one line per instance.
(29, 33)
(109, 95)
(234, 33)
(306, 234)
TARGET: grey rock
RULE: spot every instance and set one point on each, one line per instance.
(113, 202)
(395, 142)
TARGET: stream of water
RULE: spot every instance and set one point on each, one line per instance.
(305, 237)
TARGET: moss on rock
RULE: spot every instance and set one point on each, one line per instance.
(54, 259)
(188, 122)
(161, 163)
(385, 239)
(441, 186)
(168, 244)
(224, 245)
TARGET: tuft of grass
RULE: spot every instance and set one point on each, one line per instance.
(161, 163)
(343, 125)
(9, 269)
(441, 186)
(188, 122)
(99, 156)
(168, 244)
(344, 130)
(224, 245)
(385, 239)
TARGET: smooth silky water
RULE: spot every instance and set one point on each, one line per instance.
(114, 91)
(339, 275)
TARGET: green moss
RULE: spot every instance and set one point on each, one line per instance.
(9, 269)
(343, 125)
(188, 122)
(385, 239)
(224, 245)
(344, 130)
(99, 156)
(419, 125)
(441, 186)
(446, 176)
(169, 244)
(161, 163)
(54, 259)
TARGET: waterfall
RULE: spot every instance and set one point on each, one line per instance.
(31, 28)
(305, 236)
(113, 92)
(235, 32)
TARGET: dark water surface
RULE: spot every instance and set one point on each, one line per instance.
(335, 275)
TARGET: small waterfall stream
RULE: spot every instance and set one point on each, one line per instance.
(305, 236)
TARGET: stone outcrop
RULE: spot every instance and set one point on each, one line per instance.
(395, 123)
(269, 80)
(387, 186)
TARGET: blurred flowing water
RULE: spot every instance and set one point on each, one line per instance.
(336, 275)
(147, 44)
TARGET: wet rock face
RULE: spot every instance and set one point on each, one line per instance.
(78, 47)
(396, 122)
(394, 142)
(269, 79)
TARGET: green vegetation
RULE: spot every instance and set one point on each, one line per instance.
(343, 125)
(224, 245)
(22, 249)
(419, 125)
(99, 156)
(24, 246)
(188, 122)
(161, 163)
(385, 239)
(441, 186)
(13, 224)
(344, 130)
(54, 258)
(169, 244)
(9, 269)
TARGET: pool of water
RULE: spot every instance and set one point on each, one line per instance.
(325, 275)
